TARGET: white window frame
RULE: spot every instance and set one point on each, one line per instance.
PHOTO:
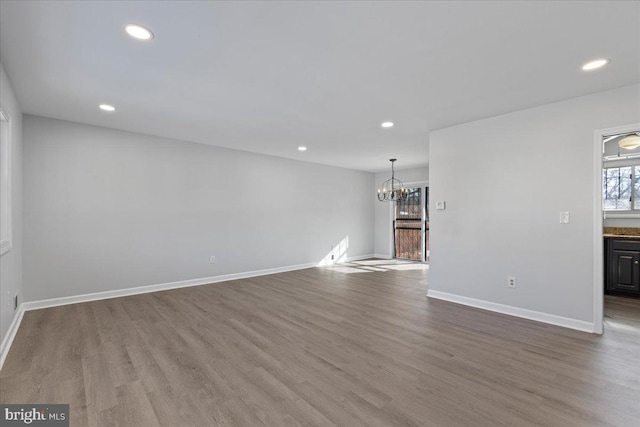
(622, 213)
(5, 184)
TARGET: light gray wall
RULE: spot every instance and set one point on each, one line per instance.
(622, 222)
(107, 210)
(505, 180)
(11, 262)
(383, 211)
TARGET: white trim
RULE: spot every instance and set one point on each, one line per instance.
(6, 244)
(382, 256)
(422, 183)
(10, 335)
(357, 258)
(598, 242)
(75, 299)
(515, 311)
(614, 215)
(628, 159)
(392, 217)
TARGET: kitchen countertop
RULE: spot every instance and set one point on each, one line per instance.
(621, 233)
(621, 236)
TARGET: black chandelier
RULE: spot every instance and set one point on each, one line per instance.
(392, 189)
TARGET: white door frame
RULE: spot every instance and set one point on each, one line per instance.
(392, 215)
(598, 242)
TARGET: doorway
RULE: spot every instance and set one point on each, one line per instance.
(411, 225)
(616, 214)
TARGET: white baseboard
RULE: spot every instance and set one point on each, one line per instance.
(54, 302)
(360, 257)
(10, 335)
(382, 256)
(515, 311)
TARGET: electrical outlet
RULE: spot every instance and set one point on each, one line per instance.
(511, 282)
(212, 259)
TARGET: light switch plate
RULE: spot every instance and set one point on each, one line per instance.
(440, 205)
(564, 217)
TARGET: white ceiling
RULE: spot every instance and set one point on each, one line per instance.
(267, 77)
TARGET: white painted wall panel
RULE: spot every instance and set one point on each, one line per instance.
(505, 179)
(108, 209)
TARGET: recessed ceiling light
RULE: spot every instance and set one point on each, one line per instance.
(138, 32)
(595, 64)
(387, 124)
(302, 148)
(107, 107)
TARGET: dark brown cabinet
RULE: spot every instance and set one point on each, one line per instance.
(623, 266)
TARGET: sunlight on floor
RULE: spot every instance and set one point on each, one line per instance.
(376, 265)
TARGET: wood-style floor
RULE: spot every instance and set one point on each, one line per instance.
(354, 345)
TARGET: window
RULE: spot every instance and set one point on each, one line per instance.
(636, 188)
(5, 183)
(621, 188)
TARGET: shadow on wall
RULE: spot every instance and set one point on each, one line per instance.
(338, 253)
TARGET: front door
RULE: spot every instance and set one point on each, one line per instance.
(410, 227)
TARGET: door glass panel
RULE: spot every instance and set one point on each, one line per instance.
(408, 226)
